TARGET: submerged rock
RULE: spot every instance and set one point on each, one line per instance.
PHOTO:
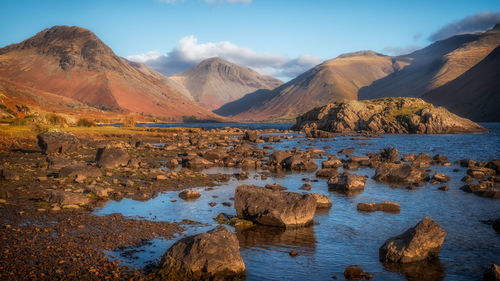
(213, 255)
(386, 115)
(386, 206)
(421, 242)
(54, 141)
(189, 194)
(267, 207)
(354, 272)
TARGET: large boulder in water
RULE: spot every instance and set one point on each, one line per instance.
(421, 242)
(110, 158)
(492, 273)
(213, 255)
(399, 173)
(386, 115)
(347, 182)
(267, 207)
(54, 141)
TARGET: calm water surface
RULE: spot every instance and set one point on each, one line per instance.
(344, 236)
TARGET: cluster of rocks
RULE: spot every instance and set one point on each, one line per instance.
(487, 175)
(387, 115)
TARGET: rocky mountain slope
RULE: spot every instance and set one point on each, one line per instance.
(215, 82)
(475, 94)
(329, 81)
(73, 62)
(386, 115)
(435, 65)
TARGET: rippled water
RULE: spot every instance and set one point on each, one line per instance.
(344, 236)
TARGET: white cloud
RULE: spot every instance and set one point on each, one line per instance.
(478, 22)
(397, 50)
(188, 52)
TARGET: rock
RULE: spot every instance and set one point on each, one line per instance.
(161, 177)
(54, 162)
(313, 133)
(332, 162)
(101, 191)
(496, 225)
(67, 198)
(172, 163)
(278, 156)
(305, 186)
(298, 163)
(212, 155)
(293, 253)
(494, 165)
(352, 166)
(7, 174)
(440, 160)
(189, 194)
(197, 163)
(399, 173)
(480, 172)
(386, 206)
(467, 163)
(389, 154)
(481, 190)
(326, 173)
(421, 242)
(213, 255)
(249, 164)
(444, 188)
(410, 157)
(492, 273)
(347, 182)
(283, 209)
(110, 158)
(57, 142)
(275, 187)
(422, 161)
(251, 135)
(386, 115)
(80, 170)
(322, 201)
(440, 177)
(354, 272)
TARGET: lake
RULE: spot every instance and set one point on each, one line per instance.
(342, 236)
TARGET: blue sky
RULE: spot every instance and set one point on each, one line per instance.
(285, 30)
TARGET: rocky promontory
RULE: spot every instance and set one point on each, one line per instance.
(386, 115)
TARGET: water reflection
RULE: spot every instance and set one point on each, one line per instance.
(432, 270)
(268, 236)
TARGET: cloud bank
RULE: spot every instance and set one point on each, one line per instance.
(188, 53)
(478, 22)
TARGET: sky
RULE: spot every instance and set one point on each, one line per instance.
(282, 38)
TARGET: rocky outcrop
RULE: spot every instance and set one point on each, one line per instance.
(267, 207)
(213, 255)
(54, 141)
(387, 115)
(421, 242)
(109, 158)
(399, 173)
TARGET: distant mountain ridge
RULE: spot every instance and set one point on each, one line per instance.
(215, 82)
(73, 62)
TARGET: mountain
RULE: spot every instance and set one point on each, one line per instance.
(435, 65)
(332, 80)
(215, 81)
(475, 94)
(73, 62)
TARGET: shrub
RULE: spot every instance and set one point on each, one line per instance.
(85, 123)
(128, 122)
(54, 119)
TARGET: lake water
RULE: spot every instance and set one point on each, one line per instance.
(343, 236)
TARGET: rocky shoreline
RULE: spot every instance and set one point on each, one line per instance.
(50, 184)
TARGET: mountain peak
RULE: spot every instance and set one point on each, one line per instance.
(72, 45)
(359, 54)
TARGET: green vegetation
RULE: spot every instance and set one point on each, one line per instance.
(189, 119)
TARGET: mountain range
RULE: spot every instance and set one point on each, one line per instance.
(69, 70)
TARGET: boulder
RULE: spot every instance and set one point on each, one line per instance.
(354, 272)
(389, 154)
(422, 161)
(249, 164)
(480, 172)
(494, 165)
(332, 162)
(386, 115)
(440, 177)
(251, 135)
(81, 170)
(421, 242)
(481, 190)
(492, 273)
(278, 156)
(326, 173)
(275, 187)
(189, 194)
(386, 206)
(57, 142)
(197, 163)
(399, 173)
(410, 157)
(213, 255)
(110, 158)
(305, 186)
(67, 197)
(267, 207)
(299, 163)
(347, 182)
(322, 201)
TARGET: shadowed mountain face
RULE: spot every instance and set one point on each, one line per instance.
(335, 79)
(215, 82)
(72, 62)
(434, 65)
(474, 94)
